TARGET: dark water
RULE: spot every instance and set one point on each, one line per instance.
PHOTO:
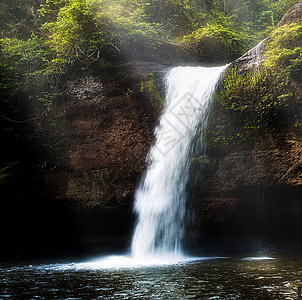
(216, 278)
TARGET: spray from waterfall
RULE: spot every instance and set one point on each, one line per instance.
(160, 200)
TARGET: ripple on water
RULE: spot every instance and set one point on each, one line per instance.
(231, 278)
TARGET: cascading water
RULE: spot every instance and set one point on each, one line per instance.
(253, 58)
(160, 200)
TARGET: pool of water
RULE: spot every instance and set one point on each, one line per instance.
(120, 278)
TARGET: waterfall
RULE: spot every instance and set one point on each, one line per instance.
(160, 200)
(253, 58)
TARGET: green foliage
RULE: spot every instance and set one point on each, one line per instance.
(7, 172)
(262, 100)
(215, 43)
(279, 7)
(8, 86)
(177, 16)
(17, 17)
(128, 33)
(283, 58)
(249, 102)
(72, 31)
(72, 35)
(49, 10)
(25, 56)
(149, 89)
(254, 19)
(30, 64)
(9, 100)
(42, 40)
(284, 53)
(254, 96)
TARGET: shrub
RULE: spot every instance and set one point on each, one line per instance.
(214, 43)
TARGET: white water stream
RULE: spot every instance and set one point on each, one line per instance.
(160, 200)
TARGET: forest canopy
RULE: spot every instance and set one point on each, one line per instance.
(71, 30)
(43, 38)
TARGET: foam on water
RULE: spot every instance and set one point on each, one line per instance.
(259, 258)
(123, 262)
(115, 262)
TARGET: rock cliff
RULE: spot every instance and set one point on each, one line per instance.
(247, 188)
(104, 136)
(252, 181)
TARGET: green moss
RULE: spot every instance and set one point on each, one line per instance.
(248, 104)
(256, 101)
(283, 56)
(253, 95)
(149, 89)
(7, 172)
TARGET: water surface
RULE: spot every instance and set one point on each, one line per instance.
(212, 278)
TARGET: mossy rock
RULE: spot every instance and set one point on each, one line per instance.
(214, 44)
